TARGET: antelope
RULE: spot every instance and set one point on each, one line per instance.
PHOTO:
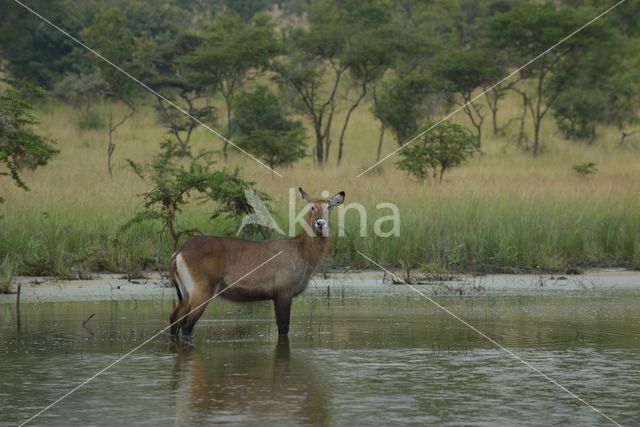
(208, 265)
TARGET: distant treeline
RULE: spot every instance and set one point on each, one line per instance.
(408, 61)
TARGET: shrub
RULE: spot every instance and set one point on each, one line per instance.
(585, 169)
(445, 146)
(264, 130)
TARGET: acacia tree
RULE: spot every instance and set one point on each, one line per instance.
(304, 75)
(527, 30)
(443, 147)
(20, 146)
(264, 130)
(369, 55)
(599, 88)
(464, 72)
(183, 86)
(403, 104)
(176, 183)
(341, 40)
(369, 49)
(232, 51)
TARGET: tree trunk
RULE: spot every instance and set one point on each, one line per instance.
(492, 102)
(225, 146)
(112, 128)
(319, 146)
(111, 146)
(473, 112)
(522, 119)
(346, 120)
(536, 137)
(538, 114)
(380, 142)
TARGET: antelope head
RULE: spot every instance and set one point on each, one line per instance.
(318, 217)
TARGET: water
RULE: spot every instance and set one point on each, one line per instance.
(368, 359)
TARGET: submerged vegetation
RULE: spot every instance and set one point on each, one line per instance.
(320, 92)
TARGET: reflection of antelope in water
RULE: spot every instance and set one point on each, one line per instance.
(245, 385)
(206, 265)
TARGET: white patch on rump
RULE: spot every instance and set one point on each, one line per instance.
(183, 276)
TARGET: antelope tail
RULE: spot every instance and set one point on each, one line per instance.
(173, 274)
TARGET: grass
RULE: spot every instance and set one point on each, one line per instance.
(501, 211)
(7, 272)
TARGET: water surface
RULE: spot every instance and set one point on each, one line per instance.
(368, 358)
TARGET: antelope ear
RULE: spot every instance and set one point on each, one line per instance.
(336, 200)
(304, 195)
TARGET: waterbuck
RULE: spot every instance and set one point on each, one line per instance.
(207, 265)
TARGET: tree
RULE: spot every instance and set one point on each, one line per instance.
(264, 130)
(402, 105)
(528, 30)
(109, 34)
(176, 182)
(443, 147)
(20, 146)
(302, 77)
(369, 55)
(34, 51)
(343, 39)
(230, 53)
(183, 86)
(246, 8)
(367, 49)
(465, 71)
(599, 88)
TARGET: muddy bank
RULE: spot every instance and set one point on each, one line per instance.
(340, 285)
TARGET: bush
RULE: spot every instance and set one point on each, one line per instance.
(178, 179)
(585, 169)
(264, 130)
(20, 146)
(445, 146)
(577, 112)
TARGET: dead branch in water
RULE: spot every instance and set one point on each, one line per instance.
(88, 318)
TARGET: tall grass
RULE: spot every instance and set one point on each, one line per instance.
(502, 210)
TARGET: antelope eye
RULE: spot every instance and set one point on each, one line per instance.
(313, 208)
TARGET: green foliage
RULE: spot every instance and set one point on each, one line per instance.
(231, 48)
(109, 34)
(401, 105)
(464, 71)
(577, 112)
(445, 146)
(7, 273)
(178, 180)
(231, 52)
(351, 38)
(33, 51)
(600, 87)
(264, 130)
(526, 31)
(585, 169)
(20, 146)
(246, 8)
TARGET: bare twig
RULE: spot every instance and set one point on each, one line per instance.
(88, 318)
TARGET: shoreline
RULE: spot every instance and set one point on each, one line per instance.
(103, 286)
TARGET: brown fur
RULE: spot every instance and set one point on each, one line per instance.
(216, 265)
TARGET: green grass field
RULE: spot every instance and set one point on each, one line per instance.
(501, 211)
